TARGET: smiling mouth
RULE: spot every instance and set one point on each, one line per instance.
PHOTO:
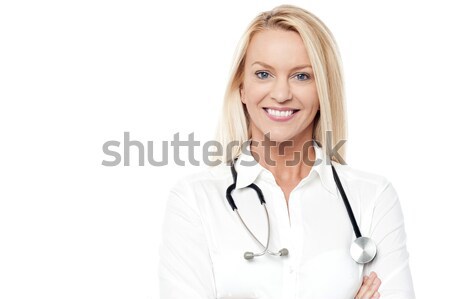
(281, 114)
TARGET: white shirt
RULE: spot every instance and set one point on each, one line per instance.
(203, 241)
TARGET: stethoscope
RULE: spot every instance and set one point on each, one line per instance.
(363, 250)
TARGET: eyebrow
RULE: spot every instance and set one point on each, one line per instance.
(299, 67)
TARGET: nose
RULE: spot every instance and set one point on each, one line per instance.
(281, 91)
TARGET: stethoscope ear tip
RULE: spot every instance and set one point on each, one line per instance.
(249, 255)
(283, 252)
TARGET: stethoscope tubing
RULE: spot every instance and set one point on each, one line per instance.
(266, 248)
(363, 249)
(346, 203)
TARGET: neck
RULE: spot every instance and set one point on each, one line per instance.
(290, 160)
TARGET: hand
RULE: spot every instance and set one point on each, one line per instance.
(369, 288)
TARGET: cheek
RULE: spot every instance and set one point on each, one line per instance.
(308, 95)
(256, 92)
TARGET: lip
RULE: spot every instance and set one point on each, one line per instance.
(281, 108)
(280, 118)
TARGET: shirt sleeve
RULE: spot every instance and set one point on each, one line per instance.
(392, 261)
(185, 267)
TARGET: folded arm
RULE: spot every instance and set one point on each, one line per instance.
(392, 261)
(185, 268)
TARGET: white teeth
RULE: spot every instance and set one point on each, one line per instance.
(280, 113)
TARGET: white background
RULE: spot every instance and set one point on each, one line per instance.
(75, 74)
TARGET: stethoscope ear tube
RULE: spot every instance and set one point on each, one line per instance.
(230, 198)
(232, 187)
(259, 192)
(347, 204)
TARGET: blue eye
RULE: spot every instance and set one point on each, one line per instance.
(262, 75)
(302, 76)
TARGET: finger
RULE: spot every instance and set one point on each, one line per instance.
(376, 295)
(363, 288)
(373, 288)
(362, 294)
(359, 294)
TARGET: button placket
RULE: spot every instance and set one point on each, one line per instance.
(283, 228)
(296, 235)
(290, 239)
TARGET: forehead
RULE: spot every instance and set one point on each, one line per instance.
(277, 47)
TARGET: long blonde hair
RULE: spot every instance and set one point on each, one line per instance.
(234, 125)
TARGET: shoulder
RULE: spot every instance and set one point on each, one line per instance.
(373, 192)
(202, 183)
(361, 175)
(205, 175)
(365, 181)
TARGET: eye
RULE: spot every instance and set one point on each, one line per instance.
(262, 74)
(302, 76)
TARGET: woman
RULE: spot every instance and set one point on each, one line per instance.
(285, 93)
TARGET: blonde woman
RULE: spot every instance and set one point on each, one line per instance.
(284, 108)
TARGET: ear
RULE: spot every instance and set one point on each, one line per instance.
(242, 94)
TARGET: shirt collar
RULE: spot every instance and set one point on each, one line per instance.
(249, 170)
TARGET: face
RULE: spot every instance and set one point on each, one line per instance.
(278, 87)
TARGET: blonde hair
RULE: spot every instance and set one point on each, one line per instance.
(234, 125)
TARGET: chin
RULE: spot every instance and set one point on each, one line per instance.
(277, 136)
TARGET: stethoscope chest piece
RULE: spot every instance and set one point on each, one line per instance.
(363, 250)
